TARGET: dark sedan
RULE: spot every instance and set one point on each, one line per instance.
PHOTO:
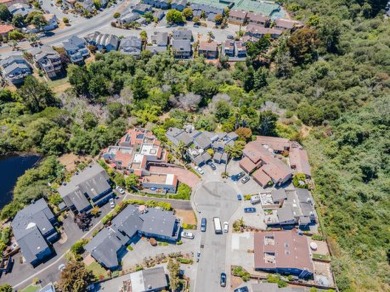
(249, 210)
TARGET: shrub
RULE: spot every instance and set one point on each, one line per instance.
(318, 237)
(299, 181)
(179, 242)
(247, 197)
(130, 248)
(239, 271)
(185, 261)
(183, 192)
(117, 15)
(78, 247)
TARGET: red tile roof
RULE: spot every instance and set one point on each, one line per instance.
(276, 143)
(247, 165)
(239, 14)
(261, 177)
(290, 250)
(206, 46)
(5, 28)
(256, 17)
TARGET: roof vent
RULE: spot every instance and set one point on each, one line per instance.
(149, 286)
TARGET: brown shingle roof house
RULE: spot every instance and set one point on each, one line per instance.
(276, 143)
(299, 159)
(283, 252)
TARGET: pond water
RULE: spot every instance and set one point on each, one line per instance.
(11, 167)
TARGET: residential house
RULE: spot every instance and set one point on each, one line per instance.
(142, 8)
(34, 231)
(131, 45)
(48, 60)
(52, 21)
(177, 136)
(156, 49)
(209, 11)
(228, 48)
(88, 5)
(135, 151)
(283, 252)
(103, 42)
(208, 49)
(5, 29)
(161, 4)
(182, 34)
(181, 49)
(109, 244)
(277, 144)
(259, 31)
(159, 15)
(20, 8)
(240, 49)
(128, 17)
(237, 16)
(266, 168)
(257, 19)
(76, 49)
(8, 3)
(220, 157)
(286, 24)
(160, 38)
(203, 141)
(149, 280)
(299, 160)
(90, 186)
(164, 182)
(15, 69)
(178, 4)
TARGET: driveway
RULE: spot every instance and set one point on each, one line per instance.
(184, 175)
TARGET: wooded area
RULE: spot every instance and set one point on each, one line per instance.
(331, 76)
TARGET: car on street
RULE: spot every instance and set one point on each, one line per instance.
(112, 203)
(203, 225)
(239, 197)
(230, 37)
(242, 289)
(226, 227)
(186, 234)
(212, 165)
(61, 267)
(200, 170)
(245, 179)
(222, 280)
(120, 190)
(249, 210)
(198, 256)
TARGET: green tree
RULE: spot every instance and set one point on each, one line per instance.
(6, 288)
(236, 150)
(75, 277)
(244, 134)
(79, 78)
(303, 45)
(36, 95)
(54, 142)
(174, 270)
(267, 123)
(260, 79)
(15, 35)
(18, 21)
(5, 15)
(218, 18)
(117, 15)
(131, 181)
(174, 16)
(222, 110)
(188, 13)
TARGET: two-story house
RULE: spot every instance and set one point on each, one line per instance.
(15, 69)
(181, 43)
(48, 60)
(34, 231)
(76, 49)
(208, 49)
(131, 45)
(103, 42)
(161, 4)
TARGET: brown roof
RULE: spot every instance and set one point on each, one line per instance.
(5, 28)
(256, 17)
(290, 250)
(261, 177)
(277, 170)
(240, 46)
(206, 46)
(256, 28)
(229, 44)
(299, 159)
(247, 165)
(237, 14)
(276, 143)
(286, 23)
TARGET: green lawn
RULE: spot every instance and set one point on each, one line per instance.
(31, 288)
(97, 270)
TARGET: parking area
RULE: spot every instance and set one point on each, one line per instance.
(251, 187)
(254, 220)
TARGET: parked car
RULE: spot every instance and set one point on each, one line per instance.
(239, 197)
(61, 267)
(200, 170)
(203, 225)
(222, 280)
(186, 234)
(230, 37)
(112, 203)
(245, 179)
(226, 227)
(120, 190)
(249, 210)
(237, 176)
(198, 256)
(242, 289)
(212, 165)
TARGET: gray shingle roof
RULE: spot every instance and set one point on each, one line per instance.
(278, 195)
(285, 214)
(202, 141)
(128, 221)
(32, 243)
(182, 34)
(154, 278)
(159, 222)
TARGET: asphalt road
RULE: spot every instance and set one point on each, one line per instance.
(214, 199)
